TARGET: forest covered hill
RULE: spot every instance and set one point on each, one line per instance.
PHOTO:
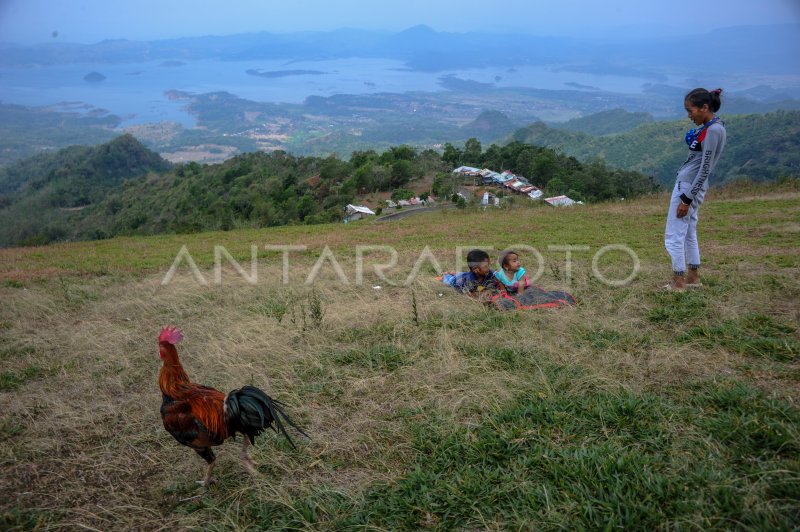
(606, 122)
(39, 196)
(122, 188)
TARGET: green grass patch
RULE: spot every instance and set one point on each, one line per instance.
(675, 307)
(382, 357)
(754, 335)
(76, 295)
(502, 357)
(610, 339)
(10, 426)
(751, 426)
(780, 239)
(11, 380)
(487, 320)
(274, 309)
(365, 335)
(785, 261)
(580, 458)
(602, 460)
(24, 519)
(14, 351)
(320, 382)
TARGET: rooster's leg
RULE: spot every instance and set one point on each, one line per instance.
(249, 464)
(208, 455)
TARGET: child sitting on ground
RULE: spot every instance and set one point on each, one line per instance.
(511, 275)
(478, 278)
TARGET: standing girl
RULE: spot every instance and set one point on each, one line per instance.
(705, 146)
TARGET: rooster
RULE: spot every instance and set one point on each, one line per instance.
(201, 417)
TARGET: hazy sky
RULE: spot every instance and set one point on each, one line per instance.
(88, 21)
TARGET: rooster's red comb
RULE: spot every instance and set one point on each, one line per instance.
(171, 335)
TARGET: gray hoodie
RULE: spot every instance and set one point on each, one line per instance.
(703, 155)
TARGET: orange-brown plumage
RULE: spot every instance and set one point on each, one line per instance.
(208, 406)
(201, 417)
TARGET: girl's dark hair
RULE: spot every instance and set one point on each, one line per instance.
(504, 256)
(700, 97)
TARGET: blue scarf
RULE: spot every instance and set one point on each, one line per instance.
(692, 134)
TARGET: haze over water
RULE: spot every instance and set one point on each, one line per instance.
(136, 91)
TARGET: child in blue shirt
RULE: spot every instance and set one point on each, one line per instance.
(511, 275)
(478, 278)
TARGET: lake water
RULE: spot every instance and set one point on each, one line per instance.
(136, 91)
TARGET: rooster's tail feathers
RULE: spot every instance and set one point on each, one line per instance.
(251, 411)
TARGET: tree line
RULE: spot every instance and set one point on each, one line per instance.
(123, 188)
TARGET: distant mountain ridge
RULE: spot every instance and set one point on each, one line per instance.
(760, 48)
(373, 114)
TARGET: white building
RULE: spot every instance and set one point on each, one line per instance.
(356, 212)
(560, 201)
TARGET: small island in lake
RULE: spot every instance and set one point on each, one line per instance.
(282, 73)
(581, 86)
(94, 77)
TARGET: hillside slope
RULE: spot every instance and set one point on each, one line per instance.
(606, 122)
(38, 194)
(636, 409)
(759, 147)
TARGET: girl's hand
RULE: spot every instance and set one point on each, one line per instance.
(682, 210)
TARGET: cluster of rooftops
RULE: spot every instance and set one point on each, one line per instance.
(512, 182)
(506, 179)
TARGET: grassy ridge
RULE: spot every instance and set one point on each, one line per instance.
(743, 215)
(636, 408)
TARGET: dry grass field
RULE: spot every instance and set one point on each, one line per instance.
(636, 408)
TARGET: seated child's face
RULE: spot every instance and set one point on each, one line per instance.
(512, 263)
(481, 270)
